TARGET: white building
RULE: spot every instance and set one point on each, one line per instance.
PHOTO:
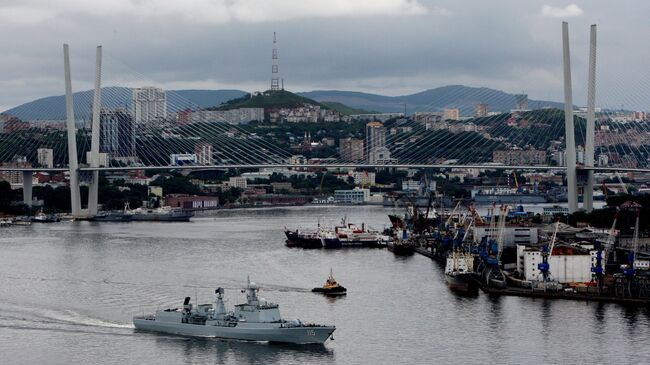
(380, 156)
(238, 182)
(149, 105)
(233, 116)
(566, 265)
(204, 154)
(180, 159)
(45, 157)
(103, 159)
(514, 235)
(355, 196)
(410, 185)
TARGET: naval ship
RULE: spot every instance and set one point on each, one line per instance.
(255, 320)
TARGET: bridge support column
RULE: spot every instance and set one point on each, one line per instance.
(93, 188)
(73, 162)
(571, 173)
(588, 202)
(27, 188)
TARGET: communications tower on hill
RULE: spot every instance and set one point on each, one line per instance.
(275, 80)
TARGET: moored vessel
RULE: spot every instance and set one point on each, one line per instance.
(298, 238)
(459, 272)
(41, 217)
(255, 320)
(162, 214)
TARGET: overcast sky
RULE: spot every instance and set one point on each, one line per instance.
(390, 47)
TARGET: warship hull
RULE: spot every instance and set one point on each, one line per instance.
(267, 332)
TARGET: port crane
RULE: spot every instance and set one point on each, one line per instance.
(547, 252)
(602, 255)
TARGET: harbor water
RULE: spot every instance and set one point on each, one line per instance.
(68, 292)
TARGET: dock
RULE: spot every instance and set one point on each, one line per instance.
(589, 296)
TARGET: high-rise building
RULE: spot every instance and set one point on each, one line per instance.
(204, 154)
(116, 133)
(149, 105)
(521, 101)
(351, 149)
(481, 110)
(451, 114)
(45, 157)
(375, 136)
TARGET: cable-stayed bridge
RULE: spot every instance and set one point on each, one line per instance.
(153, 131)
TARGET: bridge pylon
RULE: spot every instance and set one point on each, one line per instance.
(73, 162)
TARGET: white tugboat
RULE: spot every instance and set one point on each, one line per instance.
(255, 320)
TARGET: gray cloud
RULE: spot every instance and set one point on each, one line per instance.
(388, 46)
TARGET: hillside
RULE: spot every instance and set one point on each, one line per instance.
(462, 97)
(53, 107)
(344, 109)
(267, 99)
(454, 96)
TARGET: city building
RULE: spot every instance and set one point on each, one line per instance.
(238, 182)
(103, 159)
(481, 110)
(381, 156)
(14, 177)
(180, 159)
(568, 264)
(204, 154)
(232, 116)
(427, 118)
(149, 105)
(116, 133)
(364, 178)
(192, 202)
(451, 114)
(45, 157)
(10, 124)
(375, 136)
(351, 149)
(521, 102)
(519, 157)
(512, 235)
(382, 117)
(354, 196)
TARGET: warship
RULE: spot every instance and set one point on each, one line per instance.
(255, 320)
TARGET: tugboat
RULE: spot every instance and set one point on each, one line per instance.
(255, 320)
(331, 287)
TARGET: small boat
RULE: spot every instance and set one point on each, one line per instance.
(41, 217)
(331, 287)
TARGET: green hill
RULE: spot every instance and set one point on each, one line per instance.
(267, 99)
(342, 108)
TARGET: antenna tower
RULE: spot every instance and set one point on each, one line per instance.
(275, 80)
